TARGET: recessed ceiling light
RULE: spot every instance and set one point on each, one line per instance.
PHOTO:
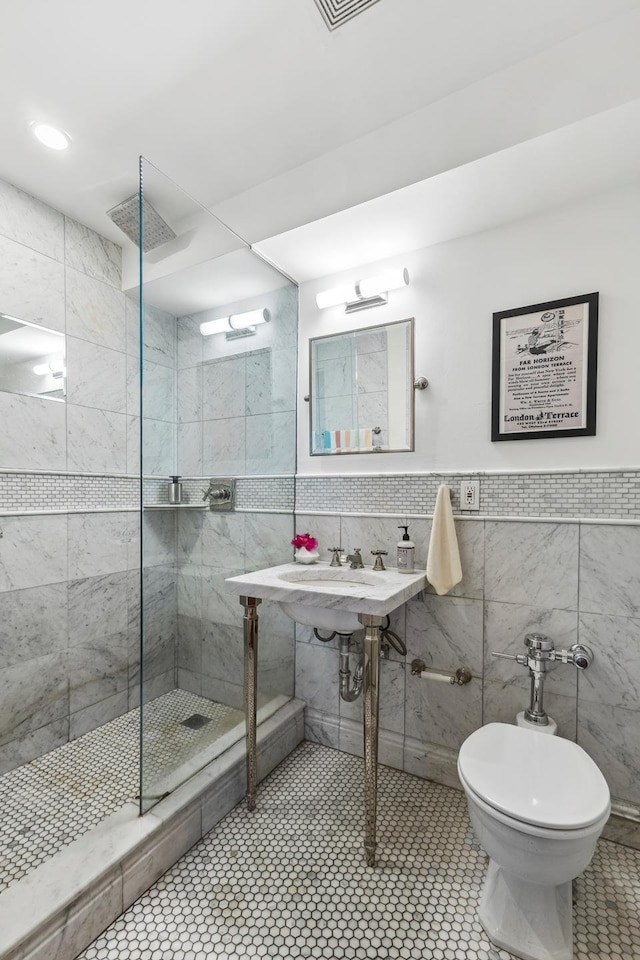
(51, 136)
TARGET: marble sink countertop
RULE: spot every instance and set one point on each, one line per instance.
(376, 592)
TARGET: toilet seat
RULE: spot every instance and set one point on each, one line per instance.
(546, 782)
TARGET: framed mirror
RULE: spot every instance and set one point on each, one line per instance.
(361, 390)
(32, 359)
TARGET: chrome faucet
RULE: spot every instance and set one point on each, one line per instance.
(355, 559)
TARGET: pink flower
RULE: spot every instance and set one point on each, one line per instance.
(304, 540)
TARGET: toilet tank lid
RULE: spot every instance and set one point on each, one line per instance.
(543, 780)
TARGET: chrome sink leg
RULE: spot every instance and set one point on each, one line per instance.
(371, 706)
(250, 631)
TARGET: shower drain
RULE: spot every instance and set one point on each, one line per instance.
(195, 721)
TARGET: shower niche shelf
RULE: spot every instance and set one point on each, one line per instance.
(175, 506)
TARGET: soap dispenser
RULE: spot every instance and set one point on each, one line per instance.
(406, 552)
(174, 490)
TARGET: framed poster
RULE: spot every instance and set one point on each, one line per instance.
(544, 370)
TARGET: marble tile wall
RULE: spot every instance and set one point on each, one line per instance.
(210, 547)
(237, 399)
(70, 583)
(577, 582)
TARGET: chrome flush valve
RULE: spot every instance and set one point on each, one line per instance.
(540, 653)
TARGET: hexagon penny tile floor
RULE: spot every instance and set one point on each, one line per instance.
(289, 880)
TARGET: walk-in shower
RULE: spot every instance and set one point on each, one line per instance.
(121, 655)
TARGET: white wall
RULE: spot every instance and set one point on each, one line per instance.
(455, 288)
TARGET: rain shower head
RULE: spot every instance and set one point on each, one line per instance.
(126, 216)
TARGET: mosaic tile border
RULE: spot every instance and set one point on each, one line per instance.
(611, 495)
(597, 494)
(40, 492)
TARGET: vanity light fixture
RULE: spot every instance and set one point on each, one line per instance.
(237, 325)
(50, 136)
(372, 292)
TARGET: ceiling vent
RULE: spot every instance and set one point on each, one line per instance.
(337, 12)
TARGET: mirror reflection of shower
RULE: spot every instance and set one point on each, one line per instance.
(32, 359)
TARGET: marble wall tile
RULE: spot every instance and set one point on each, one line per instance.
(98, 668)
(159, 537)
(153, 686)
(132, 323)
(270, 443)
(33, 623)
(223, 692)
(506, 625)
(271, 381)
(96, 440)
(441, 713)
(317, 678)
(190, 640)
(223, 650)
(97, 714)
(159, 447)
(609, 564)
(532, 563)
(371, 533)
(33, 433)
(159, 392)
(159, 658)
(31, 222)
(98, 543)
(160, 599)
(191, 682)
(96, 376)
(189, 342)
(223, 447)
(33, 551)
(335, 375)
(95, 311)
(133, 537)
(267, 539)
(189, 591)
(31, 745)
(189, 535)
(190, 462)
(503, 700)
(322, 729)
(133, 444)
(189, 394)
(223, 540)
(223, 388)
(33, 693)
(32, 285)
(445, 632)
(218, 606)
(392, 697)
(611, 737)
(88, 251)
(326, 530)
(373, 412)
(97, 607)
(160, 336)
(614, 675)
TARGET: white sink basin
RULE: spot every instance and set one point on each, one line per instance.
(329, 598)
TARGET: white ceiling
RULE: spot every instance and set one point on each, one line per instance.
(274, 122)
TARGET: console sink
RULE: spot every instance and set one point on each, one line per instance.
(329, 598)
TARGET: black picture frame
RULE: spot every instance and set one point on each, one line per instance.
(544, 370)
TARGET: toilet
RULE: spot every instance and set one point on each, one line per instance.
(537, 805)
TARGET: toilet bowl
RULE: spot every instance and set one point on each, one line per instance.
(537, 805)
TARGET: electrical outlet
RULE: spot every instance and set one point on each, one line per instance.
(470, 495)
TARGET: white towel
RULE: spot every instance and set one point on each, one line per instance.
(443, 561)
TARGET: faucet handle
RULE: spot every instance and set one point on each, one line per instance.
(335, 559)
(379, 554)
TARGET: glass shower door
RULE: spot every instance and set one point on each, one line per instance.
(218, 358)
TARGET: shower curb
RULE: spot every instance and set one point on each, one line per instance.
(60, 908)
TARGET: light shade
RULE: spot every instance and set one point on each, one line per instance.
(237, 321)
(369, 292)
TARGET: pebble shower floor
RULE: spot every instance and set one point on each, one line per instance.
(289, 880)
